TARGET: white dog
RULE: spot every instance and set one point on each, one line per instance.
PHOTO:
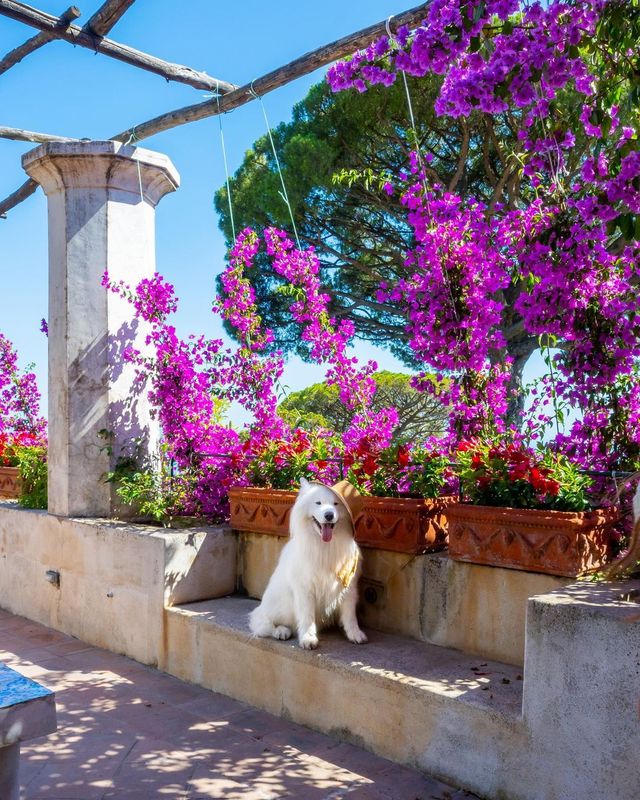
(316, 579)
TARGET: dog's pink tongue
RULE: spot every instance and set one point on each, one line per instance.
(327, 531)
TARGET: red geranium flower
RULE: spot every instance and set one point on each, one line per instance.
(553, 487)
(369, 465)
(403, 456)
(537, 480)
(300, 441)
(518, 473)
(465, 445)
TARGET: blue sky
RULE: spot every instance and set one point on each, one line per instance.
(73, 92)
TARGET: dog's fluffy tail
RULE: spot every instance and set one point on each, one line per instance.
(259, 623)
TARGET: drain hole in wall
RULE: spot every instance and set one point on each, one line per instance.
(371, 591)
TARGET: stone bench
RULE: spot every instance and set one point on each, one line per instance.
(27, 710)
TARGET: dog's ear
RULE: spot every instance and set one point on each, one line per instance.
(304, 485)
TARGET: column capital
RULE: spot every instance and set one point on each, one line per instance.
(60, 166)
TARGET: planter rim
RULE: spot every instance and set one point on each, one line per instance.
(471, 509)
(406, 525)
(261, 490)
(447, 498)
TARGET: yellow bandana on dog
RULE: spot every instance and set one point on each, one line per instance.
(346, 573)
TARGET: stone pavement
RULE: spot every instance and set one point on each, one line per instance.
(129, 732)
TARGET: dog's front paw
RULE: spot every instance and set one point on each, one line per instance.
(282, 632)
(357, 636)
(309, 642)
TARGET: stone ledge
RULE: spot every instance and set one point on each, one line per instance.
(581, 691)
(386, 659)
(402, 699)
(114, 577)
(470, 607)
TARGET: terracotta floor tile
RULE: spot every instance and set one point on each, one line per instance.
(128, 732)
(299, 738)
(259, 724)
(78, 765)
(10, 623)
(213, 705)
(399, 783)
(173, 692)
(152, 770)
(206, 786)
(358, 760)
(69, 646)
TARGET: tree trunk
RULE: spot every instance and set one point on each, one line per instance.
(520, 352)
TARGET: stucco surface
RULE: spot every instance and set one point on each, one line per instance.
(115, 578)
(568, 731)
(478, 609)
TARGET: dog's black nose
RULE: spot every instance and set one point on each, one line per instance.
(329, 515)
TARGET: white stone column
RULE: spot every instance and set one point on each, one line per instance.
(102, 198)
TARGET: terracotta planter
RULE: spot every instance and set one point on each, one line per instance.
(261, 510)
(405, 525)
(552, 542)
(9, 482)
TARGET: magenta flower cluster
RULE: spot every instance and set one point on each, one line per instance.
(19, 398)
(328, 342)
(181, 394)
(249, 376)
(189, 379)
(525, 66)
(548, 267)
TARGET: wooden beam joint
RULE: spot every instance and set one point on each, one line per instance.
(235, 97)
(16, 55)
(104, 19)
(83, 38)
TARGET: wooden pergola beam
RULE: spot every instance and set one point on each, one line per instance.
(30, 186)
(272, 80)
(79, 36)
(100, 23)
(245, 94)
(16, 55)
(26, 190)
(21, 135)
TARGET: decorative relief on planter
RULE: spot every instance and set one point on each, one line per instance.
(9, 482)
(552, 542)
(261, 510)
(406, 525)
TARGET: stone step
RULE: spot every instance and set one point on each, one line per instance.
(415, 703)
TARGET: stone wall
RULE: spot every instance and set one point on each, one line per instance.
(477, 609)
(115, 578)
(575, 737)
